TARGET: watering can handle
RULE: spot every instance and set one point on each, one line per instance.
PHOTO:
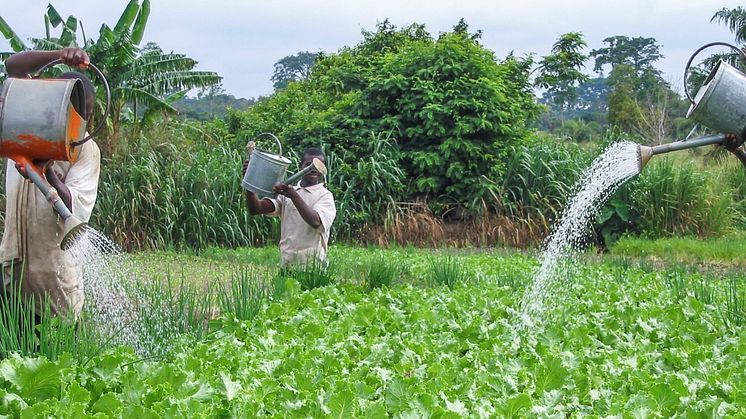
(279, 145)
(108, 99)
(689, 63)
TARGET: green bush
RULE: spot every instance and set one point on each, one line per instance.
(453, 107)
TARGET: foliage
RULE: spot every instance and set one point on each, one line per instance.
(211, 102)
(310, 275)
(675, 199)
(639, 53)
(734, 19)
(560, 73)
(177, 185)
(689, 250)
(28, 333)
(291, 68)
(447, 271)
(452, 108)
(382, 272)
(539, 179)
(245, 295)
(412, 351)
(364, 185)
(145, 81)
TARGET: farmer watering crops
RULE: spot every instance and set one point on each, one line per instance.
(30, 248)
(306, 212)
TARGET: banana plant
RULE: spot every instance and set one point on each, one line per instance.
(144, 81)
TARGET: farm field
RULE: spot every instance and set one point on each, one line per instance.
(625, 337)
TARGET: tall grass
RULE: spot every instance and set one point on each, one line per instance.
(382, 272)
(177, 191)
(678, 198)
(28, 327)
(244, 296)
(539, 179)
(448, 271)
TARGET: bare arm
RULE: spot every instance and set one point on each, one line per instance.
(735, 145)
(58, 184)
(258, 206)
(308, 214)
(20, 65)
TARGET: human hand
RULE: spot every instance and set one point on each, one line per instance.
(40, 166)
(284, 189)
(732, 142)
(75, 57)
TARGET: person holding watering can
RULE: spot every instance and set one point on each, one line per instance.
(30, 248)
(306, 213)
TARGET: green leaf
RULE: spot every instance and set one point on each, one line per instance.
(34, 378)
(229, 387)
(142, 19)
(342, 404)
(54, 17)
(139, 412)
(397, 396)
(75, 393)
(15, 41)
(515, 405)
(550, 375)
(108, 404)
(127, 18)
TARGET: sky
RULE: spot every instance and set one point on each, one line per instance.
(241, 40)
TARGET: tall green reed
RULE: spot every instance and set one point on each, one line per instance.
(244, 296)
(29, 328)
(177, 191)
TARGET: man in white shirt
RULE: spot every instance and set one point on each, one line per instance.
(306, 213)
(30, 246)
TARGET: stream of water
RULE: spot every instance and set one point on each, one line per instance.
(618, 163)
(113, 300)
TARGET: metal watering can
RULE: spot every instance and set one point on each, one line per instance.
(40, 120)
(266, 170)
(720, 104)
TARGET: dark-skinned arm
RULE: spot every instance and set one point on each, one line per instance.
(256, 205)
(735, 145)
(22, 64)
(62, 190)
(308, 214)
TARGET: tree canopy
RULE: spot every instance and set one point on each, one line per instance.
(452, 107)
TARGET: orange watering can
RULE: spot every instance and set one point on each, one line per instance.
(40, 120)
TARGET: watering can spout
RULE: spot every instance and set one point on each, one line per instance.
(73, 226)
(72, 230)
(644, 153)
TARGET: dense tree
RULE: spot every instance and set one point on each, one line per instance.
(639, 53)
(560, 72)
(452, 107)
(293, 67)
(211, 102)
